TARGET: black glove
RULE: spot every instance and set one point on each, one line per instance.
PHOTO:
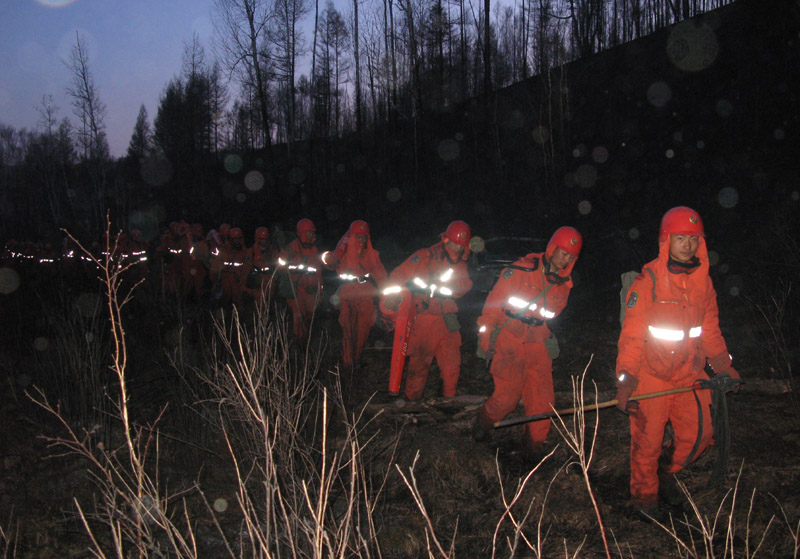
(626, 384)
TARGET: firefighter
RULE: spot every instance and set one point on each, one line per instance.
(670, 329)
(515, 338)
(361, 273)
(235, 267)
(436, 276)
(300, 281)
(193, 271)
(168, 253)
(259, 282)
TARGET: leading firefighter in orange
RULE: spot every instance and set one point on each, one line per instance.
(361, 273)
(300, 280)
(436, 276)
(515, 337)
(670, 328)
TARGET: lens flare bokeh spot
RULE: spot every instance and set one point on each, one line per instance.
(9, 280)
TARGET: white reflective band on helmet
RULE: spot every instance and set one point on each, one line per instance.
(447, 275)
(392, 289)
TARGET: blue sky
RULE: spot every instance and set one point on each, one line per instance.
(135, 48)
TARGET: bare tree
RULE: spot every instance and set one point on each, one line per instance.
(241, 27)
(92, 142)
(86, 103)
(288, 47)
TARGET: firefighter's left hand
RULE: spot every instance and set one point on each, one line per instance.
(736, 379)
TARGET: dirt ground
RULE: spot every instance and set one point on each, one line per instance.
(463, 484)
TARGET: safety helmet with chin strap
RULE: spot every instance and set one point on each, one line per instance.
(680, 221)
(262, 233)
(568, 239)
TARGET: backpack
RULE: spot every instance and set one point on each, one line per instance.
(627, 280)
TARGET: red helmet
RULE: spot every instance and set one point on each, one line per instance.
(236, 233)
(197, 229)
(304, 225)
(224, 229)
(567, 239)
(459, 233)
(359, 227)
(680, 221)
(262, 233)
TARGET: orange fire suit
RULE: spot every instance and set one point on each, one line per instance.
(514, 321)
(169, 253)
(669, 329)
(305, 274)
(361, 272)
(233, 273)
(260, 284)
(430, 336)
(193, 272)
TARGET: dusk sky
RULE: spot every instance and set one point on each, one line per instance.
(135, 48)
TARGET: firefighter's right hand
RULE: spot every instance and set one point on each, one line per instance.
(626, 384)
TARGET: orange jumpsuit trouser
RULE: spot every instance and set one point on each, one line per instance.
(431, 339)
(356, 317)
(521, 370)
(647, 433)
(303, 306)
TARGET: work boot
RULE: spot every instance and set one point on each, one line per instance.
(648, 511)
(669, 491)
(480, 431)
(533, 452)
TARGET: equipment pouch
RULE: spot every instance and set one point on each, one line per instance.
(253, 280)
(451, 321)
(551, 345)
(285, 287)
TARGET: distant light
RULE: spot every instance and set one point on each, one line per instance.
(394, 194)
(670, 154)
(585, 207)
(633, 233)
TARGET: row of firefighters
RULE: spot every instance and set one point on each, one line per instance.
(670, 331)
